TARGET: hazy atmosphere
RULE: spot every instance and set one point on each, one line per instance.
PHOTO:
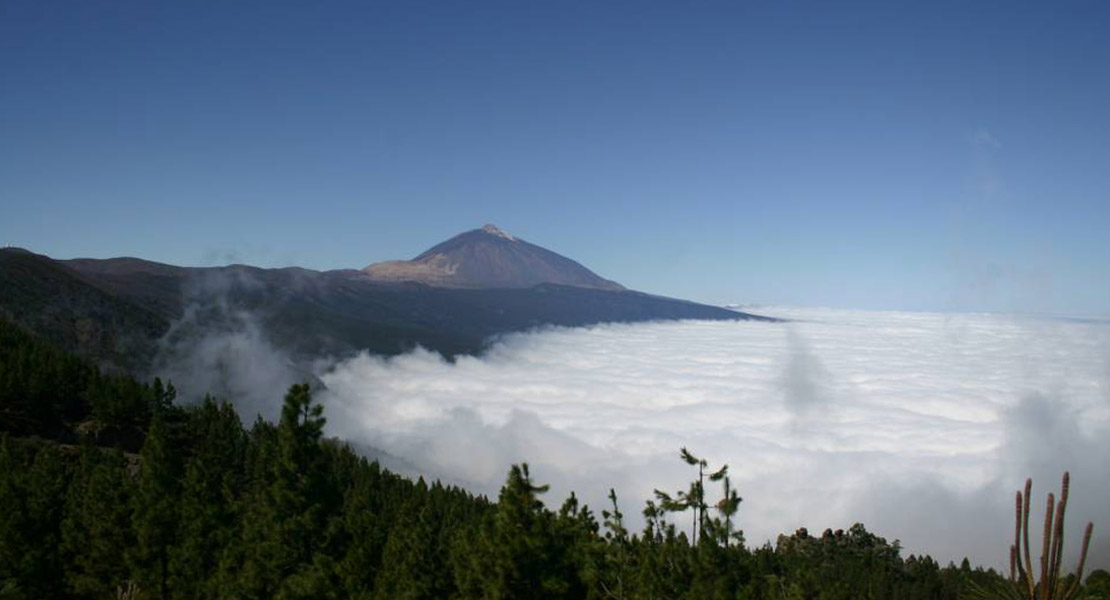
(291, 292)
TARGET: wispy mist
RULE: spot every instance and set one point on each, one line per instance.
(220, 347)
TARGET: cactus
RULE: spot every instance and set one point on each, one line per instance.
(1050, 586)
(129, 591)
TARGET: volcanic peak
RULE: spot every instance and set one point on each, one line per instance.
(489, 258)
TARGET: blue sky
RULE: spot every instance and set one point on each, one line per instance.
(924, 155)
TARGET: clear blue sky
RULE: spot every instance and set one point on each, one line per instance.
(920, 155)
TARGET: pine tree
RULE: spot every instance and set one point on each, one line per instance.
(413, 566)
(727, 507)
(366, 527)
(212, 482)
(155, 517)
(617, 556)
(284, 518)
(521, 553)
(32, 485)
(695, 498)
(96, 528)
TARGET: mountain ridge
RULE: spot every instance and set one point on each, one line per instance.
(122, 311)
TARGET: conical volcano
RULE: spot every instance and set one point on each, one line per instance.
(489, 258)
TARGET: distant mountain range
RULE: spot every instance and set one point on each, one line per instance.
(451, 299)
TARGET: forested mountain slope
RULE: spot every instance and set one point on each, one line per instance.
(75, 312)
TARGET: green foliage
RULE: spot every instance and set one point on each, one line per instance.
(1097, 585)
(155, 514)
(524, 549)
(40, 387)
(211, 482)
(97, 527)
(31, 485)
(51, 394)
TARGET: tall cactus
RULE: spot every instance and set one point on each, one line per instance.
(1050, 586)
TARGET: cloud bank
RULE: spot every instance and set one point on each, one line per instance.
(920, 425)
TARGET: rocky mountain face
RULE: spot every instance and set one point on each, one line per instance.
(489, 258)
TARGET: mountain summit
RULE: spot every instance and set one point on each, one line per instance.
(489, 258)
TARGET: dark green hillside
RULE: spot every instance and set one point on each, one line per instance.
(348, 312)
(155, 286)
(74, 313)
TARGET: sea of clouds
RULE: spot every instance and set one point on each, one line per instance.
(919, 425)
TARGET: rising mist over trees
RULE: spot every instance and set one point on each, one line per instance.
(110, 489)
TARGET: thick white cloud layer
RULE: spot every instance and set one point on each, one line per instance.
(919, 425)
